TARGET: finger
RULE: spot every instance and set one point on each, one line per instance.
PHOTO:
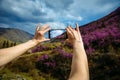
(77, 27)
(44, 40)
(46, 30)
(45, 27)
(47, 39)
(38, 27)
(67, 40)
(69, 33)
(78, 30)
(72, 31)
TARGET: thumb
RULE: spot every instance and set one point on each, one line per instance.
(67, 40)
(44, 40)
(47, 39)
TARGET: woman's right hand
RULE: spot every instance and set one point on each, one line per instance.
(79, 67)
(74, 36)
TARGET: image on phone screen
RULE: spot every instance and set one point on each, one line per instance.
(57, 34)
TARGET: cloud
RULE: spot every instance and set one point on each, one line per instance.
(25, 14)
(57, 25)
(88, 7)
(59, 5)
(71, 17)
(18, 10)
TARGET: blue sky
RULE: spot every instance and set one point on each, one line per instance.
(26, 14)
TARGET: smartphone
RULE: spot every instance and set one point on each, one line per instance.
(57, 34)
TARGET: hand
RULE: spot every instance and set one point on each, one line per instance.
(74, 35)
(40, 32)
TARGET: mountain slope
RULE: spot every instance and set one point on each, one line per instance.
(103, 34)
(15, 35)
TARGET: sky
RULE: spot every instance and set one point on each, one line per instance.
(26, 14)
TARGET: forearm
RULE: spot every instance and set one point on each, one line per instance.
(8, 54)
(79, 68)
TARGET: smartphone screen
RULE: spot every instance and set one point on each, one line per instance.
(57, 34)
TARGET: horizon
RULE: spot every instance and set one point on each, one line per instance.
(15, 14)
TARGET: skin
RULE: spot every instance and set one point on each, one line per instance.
(79, 67)
(8, 54)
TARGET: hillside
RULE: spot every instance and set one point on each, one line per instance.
(14, 35)
(102, 35)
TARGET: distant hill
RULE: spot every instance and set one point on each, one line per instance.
(15, 35)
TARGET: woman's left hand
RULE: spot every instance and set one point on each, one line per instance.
(40, 32)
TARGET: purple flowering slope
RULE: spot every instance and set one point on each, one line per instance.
(102, 34)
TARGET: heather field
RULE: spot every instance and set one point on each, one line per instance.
(52, 61)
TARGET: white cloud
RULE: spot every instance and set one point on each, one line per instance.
(71, 17)
(57, 25)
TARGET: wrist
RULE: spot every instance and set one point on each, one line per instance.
(79, 50)
(77, 43)
(34, 42)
